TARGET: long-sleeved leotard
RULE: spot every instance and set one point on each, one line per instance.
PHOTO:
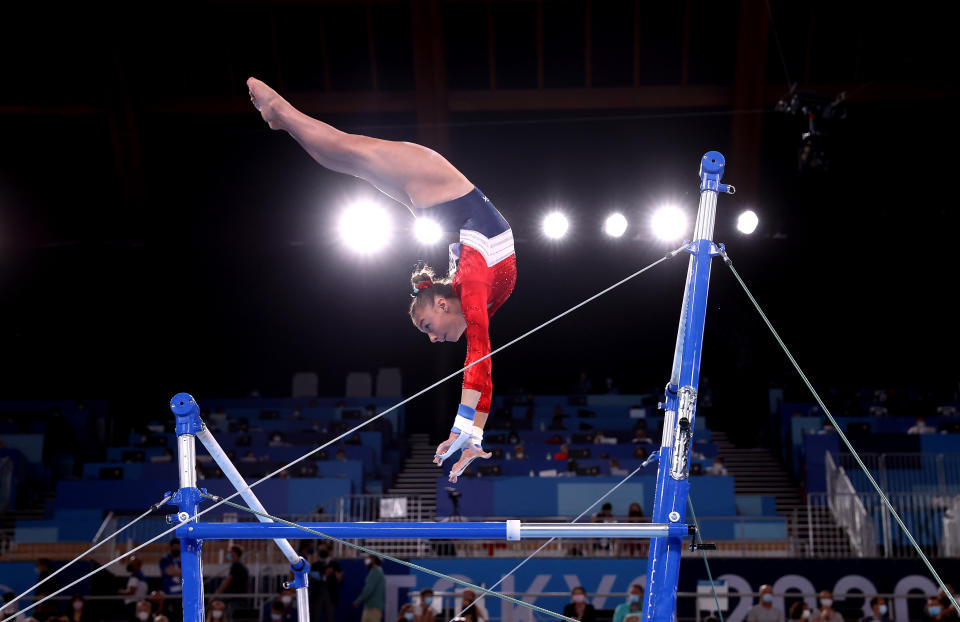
(484, 269)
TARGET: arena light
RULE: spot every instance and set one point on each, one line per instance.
(669, 223)
(555, 225)
(427, 231)
(365, 227)
(747, 222)
(615, 225)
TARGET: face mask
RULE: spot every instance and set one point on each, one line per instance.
(367, 562)
(806, 614)
(229, 557)
(826, 602)
(579, 598)
(408, 615)
(934, 610)
(767, 598)
(882, 609)
(217, 613)
(633, 598)
(276, 616)
(519, 454)
(78, 605)
(428, 600)
(286, 599)
(142, 616)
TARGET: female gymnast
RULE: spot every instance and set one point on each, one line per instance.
(483, 268)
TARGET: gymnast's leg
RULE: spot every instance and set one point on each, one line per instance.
(412, 174)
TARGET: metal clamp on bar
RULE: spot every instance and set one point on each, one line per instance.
(680, 464)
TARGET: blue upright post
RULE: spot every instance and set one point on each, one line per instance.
(670, 500)
(187, 499)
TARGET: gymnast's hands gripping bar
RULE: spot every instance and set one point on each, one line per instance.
(509, 530)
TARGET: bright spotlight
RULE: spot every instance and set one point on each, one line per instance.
(669, 223)
(747, 222)
(615, 225)
(365, 227)
(427, 231)
(555, 225)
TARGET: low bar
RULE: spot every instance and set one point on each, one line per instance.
(508, 530)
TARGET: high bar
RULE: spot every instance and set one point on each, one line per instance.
(507, 530)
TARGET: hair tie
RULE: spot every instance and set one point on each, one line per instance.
(422, 285)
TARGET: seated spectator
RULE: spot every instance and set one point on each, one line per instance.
(341, 456)
(631, 610)
(921, 427)
(518, 453)
(556, 439)
(355, 439)
(605, 515)
(167, 456)
(640, 453)
(799, 611)
(217, 611)
(143, 611)
(583, 385)
(765, 611)
(276, 439)
(826, 429)
(933, 609)
(717, 468)
(557, 423)
(878, 610)
(616, 469)
(406, 614)
(563, 454)
(425, 612)
(578, 608)
(826, 613)
(513, 439)
(609, 387)
(948, 613)
(634, 513)
(601, 439)
(640, 436)
(469, 596)
(249, 457)
(283, 605)
(277, 613)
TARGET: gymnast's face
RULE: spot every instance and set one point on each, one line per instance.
(441, 321)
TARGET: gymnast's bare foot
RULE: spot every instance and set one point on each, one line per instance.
(468, 455)
(268, 102)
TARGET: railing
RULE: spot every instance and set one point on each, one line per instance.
(905, 472)
(848, 510)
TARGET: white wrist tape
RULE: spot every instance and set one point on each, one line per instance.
(463, 424)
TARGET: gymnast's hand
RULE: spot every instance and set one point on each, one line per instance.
(268, 102)
(444, 447)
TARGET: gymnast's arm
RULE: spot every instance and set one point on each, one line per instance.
(477, 380)
(411, 174)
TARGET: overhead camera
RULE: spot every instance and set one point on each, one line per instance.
(819, 112)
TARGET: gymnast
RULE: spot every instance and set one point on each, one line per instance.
(483, 268)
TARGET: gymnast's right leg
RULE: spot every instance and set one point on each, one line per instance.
(412, 174)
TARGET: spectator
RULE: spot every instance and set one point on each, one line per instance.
(77, 612)
(166, 456)
(634, 513)
(469, 596)
(921, 427)
(556, 439)
(826, 612)
(640, 436)
(170, 570)
(605, 515)
(579, 608)
(44, 568)
(616, 469)
(609, 387)
(8, 610)
(518, 453)
(426, 612)
(250, 456)
(340, 456)
(276, 439)
(136, 585)
(948, 613)
(374, 592)
(933, 609)
(354, 440)
(631, 610)
(142, 611)
(407, 613)
(325, 579)
(717, 468)
(583, 385)
(238, 577)
(640, 452)
(557, 423)
(799, 611)
(156, 600)
(878, 610)
(600, 439)
(283, 605)
(513, 439)
(563, 454)
(765, 611)
(827, 428)
(217, 611)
